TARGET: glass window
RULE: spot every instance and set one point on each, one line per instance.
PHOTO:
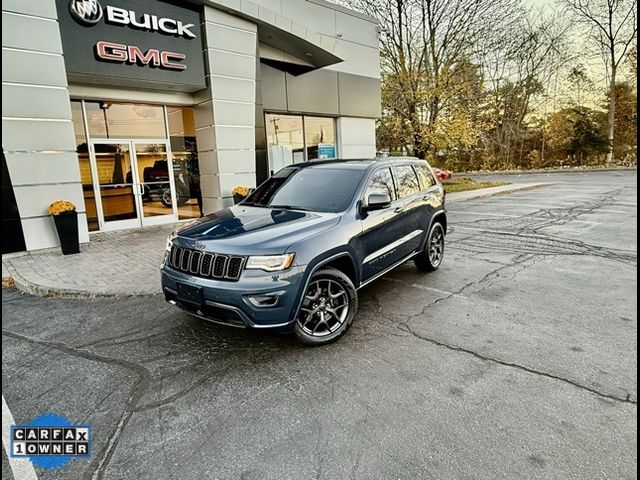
(115, 180)
(85, 166)
(406, 180)
(285, 140)
(426, 179)
(125, 120)
(319, 134)
(381, 182)
(314, 189)
(186, 170)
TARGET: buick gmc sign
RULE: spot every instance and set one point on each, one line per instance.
(132, 43)
(149, 22)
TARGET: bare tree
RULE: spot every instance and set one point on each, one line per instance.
(613, 28)
(518, 71)
(424, 46)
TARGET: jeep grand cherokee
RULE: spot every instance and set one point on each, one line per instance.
(294, 253)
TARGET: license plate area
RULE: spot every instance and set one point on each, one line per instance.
(189, 293)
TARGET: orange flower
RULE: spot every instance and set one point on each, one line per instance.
(61, 206)
(241, 190)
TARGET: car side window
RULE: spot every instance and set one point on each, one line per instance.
(381, 182)
(426, 179)
(406, 180)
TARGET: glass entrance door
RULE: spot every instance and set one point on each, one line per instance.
(155, 183)
(132, 183)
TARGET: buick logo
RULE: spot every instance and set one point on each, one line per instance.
(86, 11)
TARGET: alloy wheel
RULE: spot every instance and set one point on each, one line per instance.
(436, 245)
(324, 308)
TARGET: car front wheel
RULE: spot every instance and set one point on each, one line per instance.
(430, 258)
(328, 308)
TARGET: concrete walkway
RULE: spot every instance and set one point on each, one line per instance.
(126, 263)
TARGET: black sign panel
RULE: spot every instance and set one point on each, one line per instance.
(133, 43)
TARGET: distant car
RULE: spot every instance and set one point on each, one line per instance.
(442, 173)
(159, 172)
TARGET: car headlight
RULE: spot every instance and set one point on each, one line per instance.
(270, 263)
(170, 239)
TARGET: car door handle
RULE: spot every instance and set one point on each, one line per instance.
(398, 209)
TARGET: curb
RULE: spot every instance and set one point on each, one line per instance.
(25, 286)
(483, 192)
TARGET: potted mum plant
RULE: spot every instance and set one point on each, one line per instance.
(240, 193)
(66, 219)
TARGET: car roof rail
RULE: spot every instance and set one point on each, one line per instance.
(404, 158)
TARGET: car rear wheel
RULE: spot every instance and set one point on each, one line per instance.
(431, 257)
(328, 308)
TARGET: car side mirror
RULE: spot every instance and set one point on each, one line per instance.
(377, 201)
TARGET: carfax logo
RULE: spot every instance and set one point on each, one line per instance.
(51, 441)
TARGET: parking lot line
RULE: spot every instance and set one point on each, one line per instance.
(22, 469)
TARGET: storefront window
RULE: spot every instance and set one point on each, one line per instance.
(297, 138)
(186, 172)
(132, 175)
(85, 166)
(285, 140)
(320, 137)
(125, 120)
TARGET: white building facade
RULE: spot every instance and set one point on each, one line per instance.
(146, 112)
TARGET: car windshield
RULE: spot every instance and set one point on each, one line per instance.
(313, 189)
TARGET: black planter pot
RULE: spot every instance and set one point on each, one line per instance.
(67, 227)
(237, 198)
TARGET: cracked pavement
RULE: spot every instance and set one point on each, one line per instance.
(517, 359)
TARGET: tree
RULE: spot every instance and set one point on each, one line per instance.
(517, 71)
(425, 44)
(577, 133)
(578, 77)
(625, 142)
(613, 27)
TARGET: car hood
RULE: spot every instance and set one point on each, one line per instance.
(245, 230)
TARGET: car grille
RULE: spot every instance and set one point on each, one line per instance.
(205, 264)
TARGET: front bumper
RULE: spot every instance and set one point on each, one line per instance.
(238, 303)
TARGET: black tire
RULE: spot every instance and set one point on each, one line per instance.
(325, 313)
(166, 199)
(430, 258)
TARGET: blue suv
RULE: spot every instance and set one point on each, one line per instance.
(294, 253)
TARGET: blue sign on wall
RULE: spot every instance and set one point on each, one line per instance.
(326, 150)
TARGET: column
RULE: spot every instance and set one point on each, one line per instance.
(225, 111)
(37, 131)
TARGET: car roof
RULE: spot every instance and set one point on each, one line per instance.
(356, 164)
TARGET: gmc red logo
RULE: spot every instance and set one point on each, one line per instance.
(116, 52)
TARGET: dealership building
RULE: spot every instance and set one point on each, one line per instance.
(144, 112)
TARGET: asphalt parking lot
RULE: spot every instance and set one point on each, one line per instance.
(517, 359)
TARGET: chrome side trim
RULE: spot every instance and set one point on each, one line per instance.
(392, 245)
(275, 325)
(387, 270)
